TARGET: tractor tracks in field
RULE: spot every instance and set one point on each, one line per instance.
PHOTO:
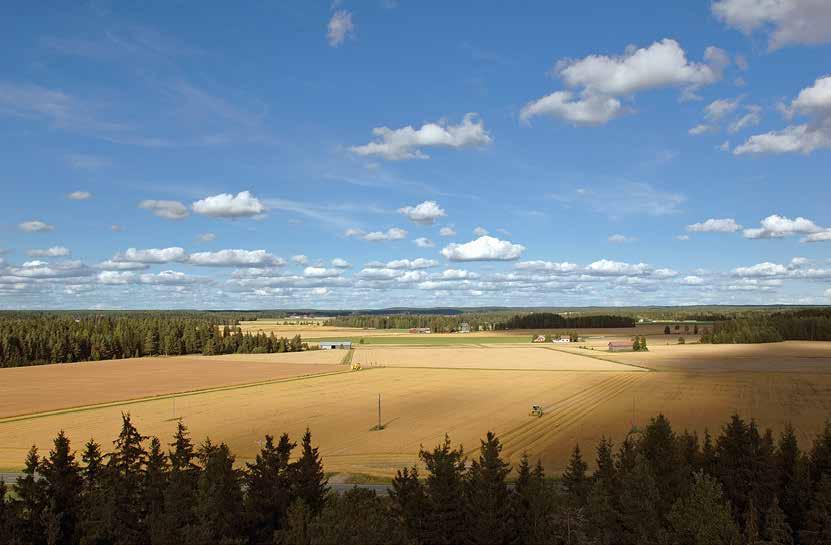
(560, 415)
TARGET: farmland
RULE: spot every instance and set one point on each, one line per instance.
(426, 391)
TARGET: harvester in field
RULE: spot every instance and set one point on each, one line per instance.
(536, 410)
(356, 366)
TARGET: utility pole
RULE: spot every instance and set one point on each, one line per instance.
(379, 412)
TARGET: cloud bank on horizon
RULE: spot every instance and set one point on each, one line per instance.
(327, 161)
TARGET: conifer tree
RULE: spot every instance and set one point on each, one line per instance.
(298, 522)
(489, 515)
(408, 501)
(219, 497)
(62, 482)
(603, 515)
(30, 503)
(818, 520)
(92, 492)
(358, 517)
(794, 486)
(777, 530)
(533, 504)
(751, 524)
(154, 487)
(268, 489)
(444, 520)
(180, 494)
(122, 513)
(702, 517)
(659, 447)
(309, 482)
(575, 480)
(820, 456)
(5, 512)
(735, 464)
(639, 498)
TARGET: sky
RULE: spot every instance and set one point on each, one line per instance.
(397, 153)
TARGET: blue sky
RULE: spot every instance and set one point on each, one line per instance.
(382, 153)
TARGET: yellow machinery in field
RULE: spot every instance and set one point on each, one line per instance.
(536, 410)
(356, 366)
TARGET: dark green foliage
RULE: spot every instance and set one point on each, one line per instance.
(358, 517)
(92, 492)
(777, 530)
(702, 517)
(29, 506)
(5, 512)
(661, 450)
(639, 502)
(154, 487)
(409, 503)
(61, 481)
(444, 517)
(218, 506)
(575, 479)
(268, 484)
(309, 481)
(803, 325)
(180, 493)
(549, 320)
(489, 514)
(818, 520)
(819, 462)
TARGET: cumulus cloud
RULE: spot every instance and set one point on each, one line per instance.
(621, 239)
(35, 226)
(480, 231)
(719, 108)
(54, 251)
(170, 278)
(111, 265)
(206, 237)
(484, 248)
(407, 142)
(300, 259)
(152, 255)
(418, 263)
(169, 210)
(714, 225)
(226, 205)
(341, 263)
(813, 102)
(424, 242)
(79, 196)
(776, 226)
(393, 233)
(447, 232)
(117, 277)
(235, 258)
(601, 79)
(547, 266)
(752, 118)
(692, 280)
(786, 21)
(320, 272)
(605, 267)
(761, 270)
(340, 27)
(425, 213)
(821, 236)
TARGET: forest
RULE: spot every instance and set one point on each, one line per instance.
(550, 320)
(39, 338)
(812, 324)
(658, 486)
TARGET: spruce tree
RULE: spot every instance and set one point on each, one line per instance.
(62, 482)
(639, 514)
(268, 485)
(123, 484)
(444, 520)
(219, 497)
(154, 487)
(575, 480)
(735, 464)
(702, 517)
(660, 449)
(777, 530)
(30, 503)
(5, 512)
(818, 520)
(180, 494)
(603, 515)
(408, 502)
(358, 517)
(820, 456)
(794, 486)
(309, 482)
(92, 492)
(489, 515)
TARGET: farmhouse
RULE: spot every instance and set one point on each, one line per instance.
(419, 330)
(539, 339)
(464, 327)
(620, 346)
(562, 340)
(334, 345)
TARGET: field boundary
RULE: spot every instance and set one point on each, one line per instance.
(147, 399)
(600, 358)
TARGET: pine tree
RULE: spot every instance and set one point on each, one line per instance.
(489, 515)
(92, 492)
(444, 520)
(219, 497)
(154, 487)
(180, 494)
(818, 521)
(575, 480)
(408, 502)
(639, 499)
(603, 515)
(5, 512)
(777, 530)
(123, 482)
(268, 489)
(62, 481)
(703, 516)
(358, 517)
(308, 479)
(794, 486)
(30, 503)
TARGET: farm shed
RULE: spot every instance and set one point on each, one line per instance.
(620, 346)
(334, 345)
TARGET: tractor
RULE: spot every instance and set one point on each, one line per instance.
(356, 366)
(536, 410)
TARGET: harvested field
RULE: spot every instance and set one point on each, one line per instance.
(520, 357)
(26, 390)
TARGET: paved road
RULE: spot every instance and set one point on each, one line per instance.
(340, 488)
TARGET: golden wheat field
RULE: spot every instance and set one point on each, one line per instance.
(421, 401)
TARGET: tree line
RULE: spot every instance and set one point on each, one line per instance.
(658, 486)
(550, 320)
(813, 324)
(39, 338)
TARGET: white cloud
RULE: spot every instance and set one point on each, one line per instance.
(589, 109)
(169, 210)
(341, 263)
(424, 242)
(776, 226)
(724, 146)
(605, 267)
(394, 233)
(418, 263)
(170, 278)
(787, 21)
(547, 266)
(152, 255)
(226, 205)
(821, 236)
(300, 259)
(702, 129)
(621, 239)
(235, 258)
(35, 226)
(752, 118)
(79, 196)
(54, 251)
(484, 248)
(682, 237)
(340, 26)
(717, 109)
(406, 142)
(692, 280)
(480, 231)
(206, 237)
(761, 270)
(447, 232)
(111, 265)
(320, 272)
(713, 225)
(425, 213)
(814, 102)
(117, 277)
